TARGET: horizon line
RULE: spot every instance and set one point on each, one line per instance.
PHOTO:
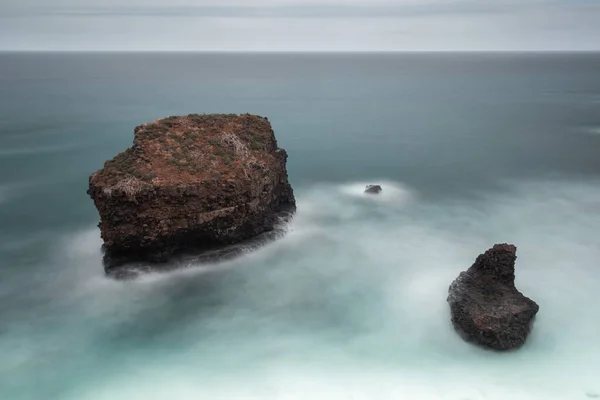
(293, 51)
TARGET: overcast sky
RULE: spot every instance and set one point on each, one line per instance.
(300, 25)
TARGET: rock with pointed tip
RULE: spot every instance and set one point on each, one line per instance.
(486, 307)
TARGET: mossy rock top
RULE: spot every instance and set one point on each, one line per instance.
(190, 149)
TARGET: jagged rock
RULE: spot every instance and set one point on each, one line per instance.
(189, 184)
(373, 189)
(486, 307)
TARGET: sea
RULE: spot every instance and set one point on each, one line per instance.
(471, 149)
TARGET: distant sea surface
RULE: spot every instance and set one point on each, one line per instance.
(470, 149)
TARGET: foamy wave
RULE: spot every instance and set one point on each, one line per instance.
(294, 383)
(345, 201)
(393, 193)
(351, 304)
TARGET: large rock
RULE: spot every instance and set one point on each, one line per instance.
(486, 307)
(189, 184)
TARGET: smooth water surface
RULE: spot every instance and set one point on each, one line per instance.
(471, 150)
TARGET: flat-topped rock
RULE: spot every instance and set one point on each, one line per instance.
(189, 184)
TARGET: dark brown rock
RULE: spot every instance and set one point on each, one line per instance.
(190, 184)
(486, 307)
(373, 189)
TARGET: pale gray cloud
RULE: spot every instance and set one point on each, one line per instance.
(279, 25)
(274, 11)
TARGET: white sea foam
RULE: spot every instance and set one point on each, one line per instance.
(351, 304)
(393, 193)
(292, 383)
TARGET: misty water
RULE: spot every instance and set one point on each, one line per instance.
(470, 149)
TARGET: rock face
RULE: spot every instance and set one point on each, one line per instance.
(373, 189)
(486, 307)
(188, 184)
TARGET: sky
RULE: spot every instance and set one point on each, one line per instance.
(300, 25)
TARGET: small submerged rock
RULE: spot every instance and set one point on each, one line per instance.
(486, 307)
(373, 189)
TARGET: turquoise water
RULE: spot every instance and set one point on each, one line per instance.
(470, 150)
